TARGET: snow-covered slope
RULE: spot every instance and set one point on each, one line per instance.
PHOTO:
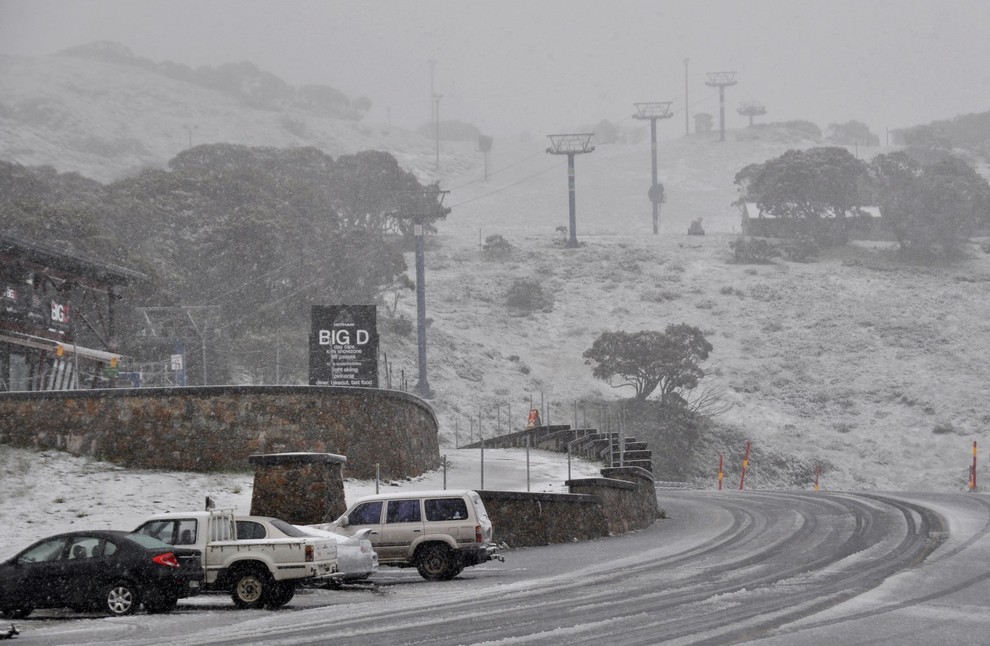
(106, 120)
(873, 366)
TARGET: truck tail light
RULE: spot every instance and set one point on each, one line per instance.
(309, 554)
(478, 538)
(167, 559)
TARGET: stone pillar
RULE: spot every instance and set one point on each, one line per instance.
(301, 488)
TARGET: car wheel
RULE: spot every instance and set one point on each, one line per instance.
(163, 604)
(280, 594)
(436, 562)
(121, 598)
(250, 589)
(15, 613)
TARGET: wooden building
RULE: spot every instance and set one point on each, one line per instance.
(57, 318)
(862, 223)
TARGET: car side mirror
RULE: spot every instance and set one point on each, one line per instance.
(343, 521)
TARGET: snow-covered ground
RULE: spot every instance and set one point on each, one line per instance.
(50, 492)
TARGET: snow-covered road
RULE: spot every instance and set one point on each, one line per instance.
(725, 567)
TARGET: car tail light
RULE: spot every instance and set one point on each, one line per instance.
(478, 538)
(167, 559)
(309, 554)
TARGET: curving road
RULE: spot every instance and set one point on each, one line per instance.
(724, 567)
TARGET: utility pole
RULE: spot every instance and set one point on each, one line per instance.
(433, 114)
(485, 146)
(420, 206)
(687, 128)
(721, 80)
(436, 102)
(570, 145)
(653, 111)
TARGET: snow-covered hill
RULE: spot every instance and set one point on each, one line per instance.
(108, 120)
(875, 368)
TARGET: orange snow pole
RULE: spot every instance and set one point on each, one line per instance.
(972, 471)
(742, 480)
(721, 474)
(818, 472)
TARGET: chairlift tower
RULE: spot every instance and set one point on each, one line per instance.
(751, 109)
(654, 110)
(721, 80)
(570, 145)
(420, 206)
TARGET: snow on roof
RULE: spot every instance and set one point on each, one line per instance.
(433, 493)
(752, 210)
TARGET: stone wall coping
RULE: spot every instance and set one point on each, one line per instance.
(601, 482)
(495, 441)
(212, 391)
(300, 457)
(635, 471)
(537, 496)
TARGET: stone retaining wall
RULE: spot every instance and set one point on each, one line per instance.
(622, 501)
(523, 519)
(218, 427)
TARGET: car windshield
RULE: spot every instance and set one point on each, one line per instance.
(149, 542)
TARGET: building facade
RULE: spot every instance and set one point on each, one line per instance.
(57, 318)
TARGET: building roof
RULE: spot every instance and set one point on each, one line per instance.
(79, 265)
(751, 210)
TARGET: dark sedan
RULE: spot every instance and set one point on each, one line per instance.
(106, 571)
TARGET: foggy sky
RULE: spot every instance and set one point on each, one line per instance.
(547, 66)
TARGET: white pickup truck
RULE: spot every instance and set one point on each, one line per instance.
(257, 572)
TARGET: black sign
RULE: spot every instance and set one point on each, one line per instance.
(20, 302)
(343, 346)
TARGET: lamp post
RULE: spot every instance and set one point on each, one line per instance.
(687, 127)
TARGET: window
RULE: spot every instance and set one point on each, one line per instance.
(82, 547)
(287, 529)
(49, 550)
(446, 509)
(174, 532)
(185, 532)
(109, 548)
(248, 530)
(403, 511)
(369, 513)
(141, 539)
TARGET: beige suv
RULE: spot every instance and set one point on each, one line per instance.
(437, 532)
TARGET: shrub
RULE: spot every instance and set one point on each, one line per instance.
(800, 250)
(399, 326)
(529, 296)
(753, 250)
(496, 246)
